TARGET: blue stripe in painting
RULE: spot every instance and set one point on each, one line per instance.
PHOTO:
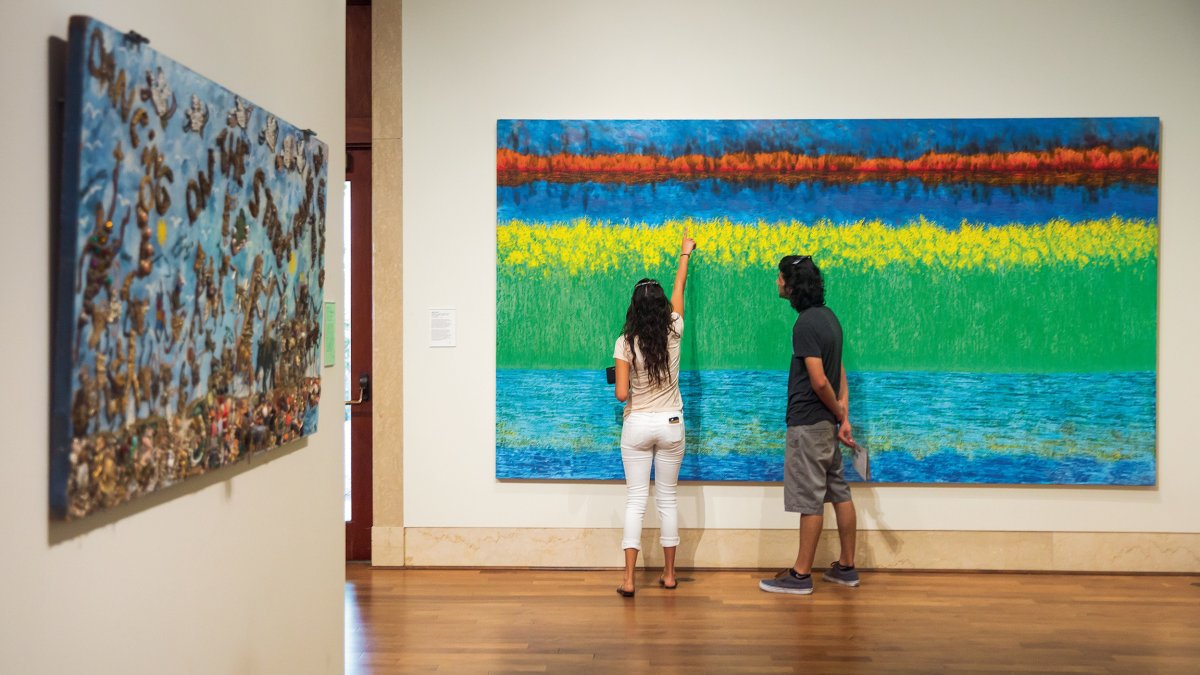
(1061, 428)
(895, 202)
(905, 139)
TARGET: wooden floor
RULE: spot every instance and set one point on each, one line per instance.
(500, 621)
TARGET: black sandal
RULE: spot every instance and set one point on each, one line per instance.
(625, 593)
(672, 587)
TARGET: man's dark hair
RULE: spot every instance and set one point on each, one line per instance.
(802, 282)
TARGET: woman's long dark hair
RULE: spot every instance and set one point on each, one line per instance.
(802, 280)
(647, 325)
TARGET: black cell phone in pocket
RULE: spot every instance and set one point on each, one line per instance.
(610, 373)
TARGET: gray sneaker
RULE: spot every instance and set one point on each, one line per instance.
(846, 576)
(786, 582)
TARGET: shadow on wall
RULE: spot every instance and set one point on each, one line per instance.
(63, 531)
(691, 535)
(777, 548)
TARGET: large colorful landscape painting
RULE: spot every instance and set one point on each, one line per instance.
(189, 279)
(996, 280)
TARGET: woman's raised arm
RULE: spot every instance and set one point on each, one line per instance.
(685, 253)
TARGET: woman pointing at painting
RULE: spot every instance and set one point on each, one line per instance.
(647, 373)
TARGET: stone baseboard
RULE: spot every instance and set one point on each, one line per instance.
(877, 549)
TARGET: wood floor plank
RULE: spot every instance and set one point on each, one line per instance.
(509, 621)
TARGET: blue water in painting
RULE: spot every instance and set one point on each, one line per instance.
(894, 202)
(921, 427)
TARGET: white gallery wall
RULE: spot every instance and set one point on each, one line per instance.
(467, 64)
(239, 571)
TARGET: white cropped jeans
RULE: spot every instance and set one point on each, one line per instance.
(651, 439)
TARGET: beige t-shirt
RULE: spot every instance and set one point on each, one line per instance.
(643, 395)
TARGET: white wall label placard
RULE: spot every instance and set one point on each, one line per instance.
(443, 329)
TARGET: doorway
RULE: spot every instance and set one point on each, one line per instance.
(357, 327)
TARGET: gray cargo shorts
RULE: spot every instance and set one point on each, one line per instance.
(812, 469)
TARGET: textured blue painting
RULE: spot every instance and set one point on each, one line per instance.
(189, 287)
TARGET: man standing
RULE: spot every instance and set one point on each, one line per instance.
(817, 418)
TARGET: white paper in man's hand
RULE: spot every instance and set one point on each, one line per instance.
(861, 460)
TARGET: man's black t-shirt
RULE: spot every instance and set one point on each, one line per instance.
(817, 333)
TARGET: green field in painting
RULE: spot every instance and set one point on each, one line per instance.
(1043, 318)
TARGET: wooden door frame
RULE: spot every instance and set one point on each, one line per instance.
(358, 172)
